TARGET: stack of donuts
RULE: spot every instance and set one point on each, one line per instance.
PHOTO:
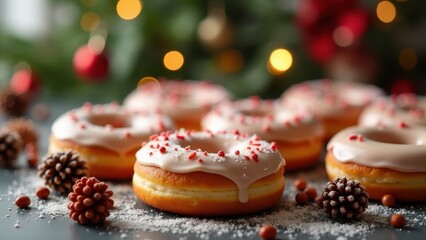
(192, 150)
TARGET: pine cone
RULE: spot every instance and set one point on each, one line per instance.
(25, 128)
(10, 146)
(343, 198)
(13, 104)
(90, 201)
(61, 170)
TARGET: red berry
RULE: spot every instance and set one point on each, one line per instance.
(301, 198)
(23, 201)
(90, 65)
(398, 221)
(300, 184)
(311, 193)
(42, 192)
(268, 232)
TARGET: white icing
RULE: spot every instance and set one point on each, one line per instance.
(235, 167)
(268, 119)
(185, 99)
(401, 149)
(91, 125)
(332, 98)
(388, 111)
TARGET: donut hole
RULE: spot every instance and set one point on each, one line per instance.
(205, 145)
(390, 137)
(114, 120)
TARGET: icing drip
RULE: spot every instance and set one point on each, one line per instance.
(326, 97)
(177, 99)
(241, 159)
(266, 118)
(108, 126)
(401, 149)
(391, 111)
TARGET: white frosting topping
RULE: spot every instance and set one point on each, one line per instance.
(109, 126)
(266, 118)
(177, 99)
(238, 157)
(326, 97)
(402, 149)
(392, 111)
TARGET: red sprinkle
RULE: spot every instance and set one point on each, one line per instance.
(192, 155)
(180, 137)
(266, 128)
(127, 134)
(200, 160)
(403, 125)
(221, 153)
(255, 157)
(206, 153)
(246, 157)
(162, 149)
(87, 106)
(150, 153)
(236, 132)
(274, 146)
(360, 138)
(352, 137)
(237, 152)
(82, 126)
(153, 137)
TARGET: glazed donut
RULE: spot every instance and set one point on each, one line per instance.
(386, 160)
(106, 137)
(183, 101)
(337, 104)
(205, 174)
(298, 134)
(393, 111)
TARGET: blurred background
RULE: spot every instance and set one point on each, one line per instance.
(102, 49)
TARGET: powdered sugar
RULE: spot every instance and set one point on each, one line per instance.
(130, 217)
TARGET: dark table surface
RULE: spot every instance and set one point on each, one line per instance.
(131, 219)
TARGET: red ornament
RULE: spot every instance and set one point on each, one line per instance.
(25, 81)
(90, 65)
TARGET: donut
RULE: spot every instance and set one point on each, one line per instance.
(337, 104)
(298, 134)
(199, 173)
(387, 160)
(183, 101)
(396, 110)
(106, 136)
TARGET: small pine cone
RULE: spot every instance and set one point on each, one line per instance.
(90, 201)
(61, 170)
(25, 128)
(343, 198)
(13, 104)
(10, 147)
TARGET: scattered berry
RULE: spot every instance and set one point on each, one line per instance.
(398, 221)
(388, 200)
(42, 192)
(300, 184)
(23, 201)
(268, 232)
(301, 198)
(312, 194)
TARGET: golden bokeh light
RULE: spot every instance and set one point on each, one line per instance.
(408, 58)
(230, 61)
(90, 21)
(129, 9)
(386, 11)
(280, 61)
(148, 80)
(173, 60)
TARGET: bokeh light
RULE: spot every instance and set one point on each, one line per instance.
(90, 21)
(343, 36)
(230, 61)
(408, 58)
(147, 80)
(129, 9)
(97, 43)
(173, 60)
(386, 11)
(280, 61)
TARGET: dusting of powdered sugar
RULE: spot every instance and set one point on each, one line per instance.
(131, 217)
